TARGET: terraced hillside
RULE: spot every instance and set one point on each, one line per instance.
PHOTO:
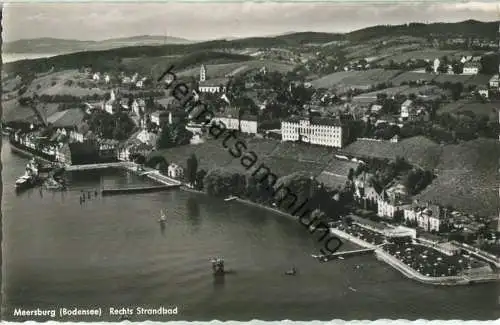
(282, 158)
(417, 150)
(355, 79)
(467, 177)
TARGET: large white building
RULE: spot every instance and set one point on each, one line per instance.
(321, 131)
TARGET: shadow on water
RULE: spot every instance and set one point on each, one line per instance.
(193, 210)
(162, 228)
(219, 282)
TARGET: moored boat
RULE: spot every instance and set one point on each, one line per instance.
(230, 198)
(26, 181)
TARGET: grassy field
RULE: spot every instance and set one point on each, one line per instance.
(479, 80)
(54, 84)
(372, 96)
(452, 78)
(425, 90)
(210, 154)
(355, 78)
(427, 54)
(332, 79)
(145, 66)
(303, 152)
(67, 118)
(412, 76)
(221, 70)
(286, 166)
(483, 109)
(12, 111)
(417, 150)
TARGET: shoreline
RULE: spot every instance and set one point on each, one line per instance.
(380, 255)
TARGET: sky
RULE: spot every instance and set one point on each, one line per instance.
(205, 21)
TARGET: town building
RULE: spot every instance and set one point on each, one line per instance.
(314, 130)
(138, 106)
(427, 217)
(493, 83)
(160, 117)
(215, 85)
(471, 68)
(107, 149)
(391, 202)
(110, 105)
(79, 133)
(134, 146)
(234, 120)
(407, 109)
(175, 171)
(483, 91)
(107, 78)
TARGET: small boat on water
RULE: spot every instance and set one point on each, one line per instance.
(217, 266)
(352, 289)
(163, 217)
(24, 182)
(230, 198)
(340, 258)
(292, 271)
(30, 177)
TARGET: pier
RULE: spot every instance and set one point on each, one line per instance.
(119, 164)
(335, 256)
(142, 189)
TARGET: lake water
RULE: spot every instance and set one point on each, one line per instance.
(12, 57)
(111, 252)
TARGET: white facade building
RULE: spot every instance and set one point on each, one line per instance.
(175, 171)
(248, 123)
(233, 121)
(494, 82)
(320, 131)
(406, 108)
(427, 218)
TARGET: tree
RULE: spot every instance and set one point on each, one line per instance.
(200, 175)
(301, 184)
(162, 167)
(173, 135)
(165, 139)
(350, 176)
(223, 182)
(192, 169)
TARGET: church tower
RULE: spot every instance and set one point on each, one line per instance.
(203, 73)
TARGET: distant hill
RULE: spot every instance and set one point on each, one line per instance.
(117, 51)
(465, 29)
(55, 45)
